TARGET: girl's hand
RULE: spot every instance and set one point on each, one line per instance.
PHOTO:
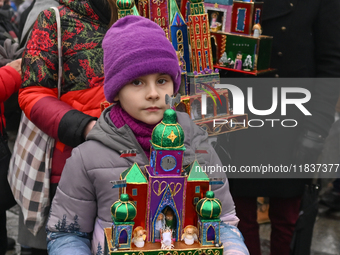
(89, 127)
(16, 64)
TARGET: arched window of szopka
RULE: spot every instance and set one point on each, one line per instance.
(179, 36)
(159, 22)
(205, 43)
(158, 11)
(200, 60)
(163, 21)
(207, 58)
(198, 44)
(180, 48)
(204, 28)
(197, 29)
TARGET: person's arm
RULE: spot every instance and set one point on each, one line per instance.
(326, 34)
(38, 95)
(325, 90)
(10, 79)
(73, 210)
(68, 243)
(232, 240)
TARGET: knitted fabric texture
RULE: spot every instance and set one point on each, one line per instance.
(141, 130)
(133, 47)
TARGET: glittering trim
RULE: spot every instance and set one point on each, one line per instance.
(160, 190)
(181, 147)
(174, 191)
(244, 20)
(167, 200)
(206, 234)
(169, 124)
(257, 15)
(203, 249)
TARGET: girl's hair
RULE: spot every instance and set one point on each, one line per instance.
(114, 11)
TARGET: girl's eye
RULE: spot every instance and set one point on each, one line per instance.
(136, 82)
(162, 81)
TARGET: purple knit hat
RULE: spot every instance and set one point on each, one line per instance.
(135, 46)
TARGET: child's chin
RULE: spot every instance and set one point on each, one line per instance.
(153, 120)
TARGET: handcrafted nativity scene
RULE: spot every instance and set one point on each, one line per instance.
(163, 206)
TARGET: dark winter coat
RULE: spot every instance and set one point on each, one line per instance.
(306, 43)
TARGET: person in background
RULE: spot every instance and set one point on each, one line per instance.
(6, 5)
(14, 6)
(21, 9)
(68, 120)
(306, 43)
(10, 81)
(7, 27)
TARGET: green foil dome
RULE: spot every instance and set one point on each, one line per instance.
(168, 135)
(125, 4)
(209, 207)
(123, 209)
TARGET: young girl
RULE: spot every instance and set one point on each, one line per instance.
(141, 67)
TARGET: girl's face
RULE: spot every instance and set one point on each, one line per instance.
(144, 98)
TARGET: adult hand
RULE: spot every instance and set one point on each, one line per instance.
(309, 147)
(16, 64)
(89, 127)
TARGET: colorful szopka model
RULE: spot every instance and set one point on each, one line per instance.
(174, 198)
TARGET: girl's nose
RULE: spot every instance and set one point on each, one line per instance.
(152, 92)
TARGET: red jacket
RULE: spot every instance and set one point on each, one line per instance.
(10, 81)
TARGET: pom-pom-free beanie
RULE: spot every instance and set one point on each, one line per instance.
(133, 47)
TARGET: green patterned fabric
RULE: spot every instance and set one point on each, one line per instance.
(82, 35)
(209, 207)
(168, 135)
